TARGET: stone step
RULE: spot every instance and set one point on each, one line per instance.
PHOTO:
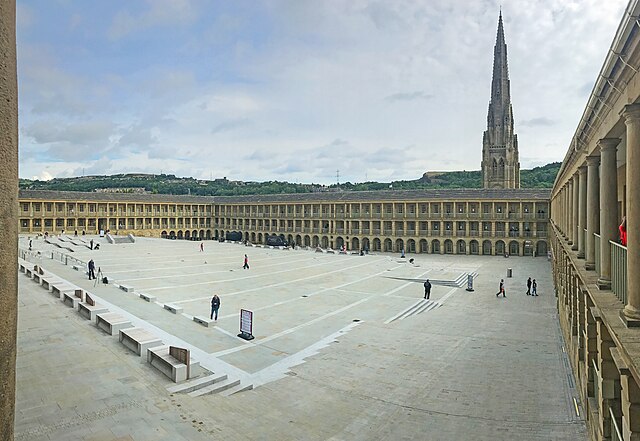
(215, 388)
(237, 389)
(197, 383)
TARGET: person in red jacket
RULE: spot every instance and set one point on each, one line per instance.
(623, 231)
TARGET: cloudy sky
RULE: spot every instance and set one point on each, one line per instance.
(296, 89)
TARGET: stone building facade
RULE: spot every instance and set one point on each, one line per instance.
(500, 157)
(597, 278)
(477, 221)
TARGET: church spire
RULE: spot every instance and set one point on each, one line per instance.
(500, 141)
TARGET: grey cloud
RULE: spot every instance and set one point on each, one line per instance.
(231, 125)
(383, 16)
(88, 132)
(536, 122)
(137, 135)
(409, 96)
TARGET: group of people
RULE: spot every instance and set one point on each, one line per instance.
(532, 288)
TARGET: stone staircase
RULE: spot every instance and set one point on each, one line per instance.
(210, 384)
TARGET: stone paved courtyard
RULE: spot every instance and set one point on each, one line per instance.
(338, 353)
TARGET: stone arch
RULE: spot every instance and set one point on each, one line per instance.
(316, 241)
(541, 248)
(172, 234)
(527, 248)
(253, 237)
(208, 234)
(215, 234)
(339, 242)
(486, 247)
(376, 245)
(307, 240)
(187, 235)
(501, 168)
(259, 237)
(448, 246)
(290, 239)
(474, 247)
(500, 247)
(201, 234)
(163, 234)
(514, 248)
(494, 168)
(435, 246)
(461, 247)
(298, 240)
(399, 245)
(411, 246)
(355, 243)
(180, 236)
(365, 244)
(388, 245)
(325, 242)
(424, 246)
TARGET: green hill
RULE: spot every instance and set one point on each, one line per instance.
(538, 177)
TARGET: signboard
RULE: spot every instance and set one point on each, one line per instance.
(246, 321)
(469, 282)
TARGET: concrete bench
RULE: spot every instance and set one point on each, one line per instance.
(203, 321)
(126, 288)
(88, 309)
(147, 297)
(49, 281)
(173, 308)
(23, 267)
(29, 272)
(58, 288)
(111, 322)
(175, 363)
(138, 340)
(72, 299)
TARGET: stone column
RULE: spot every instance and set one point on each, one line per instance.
(582, 209)
(569, 216)
(593, 210)
(608, 206)
(9, 217)
(631, 114)
(575, 210)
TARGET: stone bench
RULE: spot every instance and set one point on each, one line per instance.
(23, 267)
(126, 288)
(147, 297)
(111, 322)
(49, 281)
(61, 287)
(175, 363)
(29, 272)
(72, 299)
(203, 321)
(88, 309)
(173, 308)
(138, 340)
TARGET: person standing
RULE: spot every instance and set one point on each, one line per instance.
(623, 231)
(215, 305)
(427, 289)
(246, 262)
(501, 290)
(91, 244)
(92, 269)
(529, 286)
(534, 288)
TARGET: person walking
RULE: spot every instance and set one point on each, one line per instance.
(246, 262)
(215, 305)
(92, 269)
(529, 286)
(501, 290)
(91, 244)
(201, 246)
(427, 289)
(534, 288)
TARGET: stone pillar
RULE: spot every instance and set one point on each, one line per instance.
(608, 206)
(569, 211)
(9, 217)
(593, 210)
(631, 115)
(575, 210)
(582, 209)
(591, 345)
(609, 388)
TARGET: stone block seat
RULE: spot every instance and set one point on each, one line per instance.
(72, 299)
(88, 309)
(176, 363)
(138, 340)
(57, 289)
(111, 322)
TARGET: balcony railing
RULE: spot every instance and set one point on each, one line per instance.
(619, 271)
(616, 435)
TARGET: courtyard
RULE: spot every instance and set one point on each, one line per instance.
(345, 346)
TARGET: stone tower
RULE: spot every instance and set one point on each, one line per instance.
(500, 159)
